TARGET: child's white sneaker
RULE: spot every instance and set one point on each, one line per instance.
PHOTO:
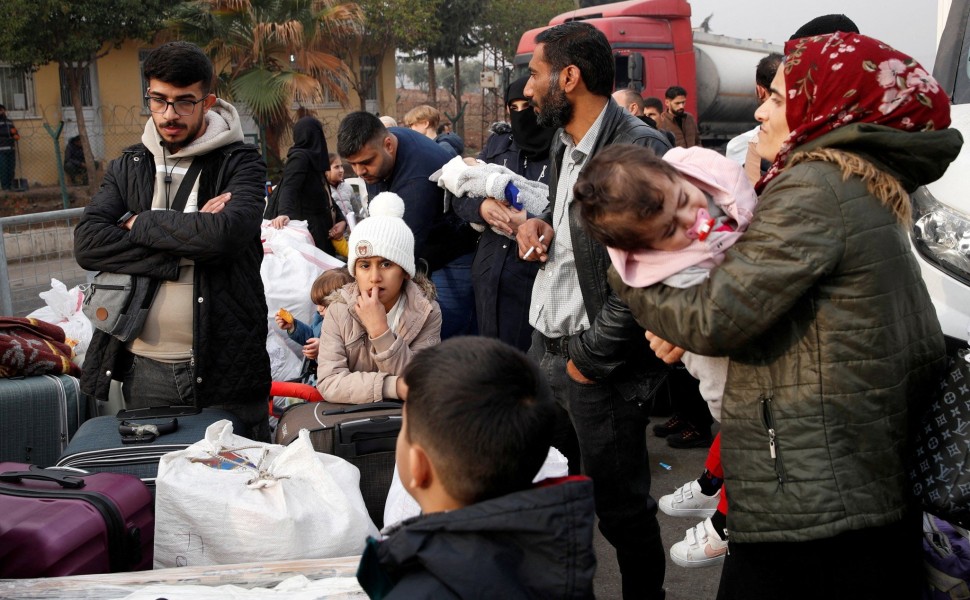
(688, 501)
(702, 547)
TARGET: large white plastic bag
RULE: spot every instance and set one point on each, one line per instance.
(63, 308)
(290, 265)
(298, 504)
(401, 505)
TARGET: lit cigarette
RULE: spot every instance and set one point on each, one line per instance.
(532, 249)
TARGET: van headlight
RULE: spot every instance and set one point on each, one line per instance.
(941, 235)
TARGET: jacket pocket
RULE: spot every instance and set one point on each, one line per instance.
(768, 421)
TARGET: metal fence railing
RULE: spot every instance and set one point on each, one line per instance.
(35, 249)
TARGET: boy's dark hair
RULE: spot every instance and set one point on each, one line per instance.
(580, 44)
(356, 130)
(767, 67)
(485, 414)
(327, 282)
(653, 102)
(674, 91)
(621, 182)
(179, 63)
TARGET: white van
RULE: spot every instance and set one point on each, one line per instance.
(941, 210)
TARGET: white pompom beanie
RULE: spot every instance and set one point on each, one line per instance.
(384, 233)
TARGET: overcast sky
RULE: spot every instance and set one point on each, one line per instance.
(907, 25)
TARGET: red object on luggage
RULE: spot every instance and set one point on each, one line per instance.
(56, 522)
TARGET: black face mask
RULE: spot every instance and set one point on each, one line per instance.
(533, 139)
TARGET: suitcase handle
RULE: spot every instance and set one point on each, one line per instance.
(66, 480)
(357, 408)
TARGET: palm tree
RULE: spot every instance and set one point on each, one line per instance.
(270, 54)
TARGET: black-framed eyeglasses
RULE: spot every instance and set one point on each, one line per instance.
(183, 108)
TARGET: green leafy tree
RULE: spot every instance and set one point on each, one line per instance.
(270, 54)
(73, 34)
(457, 21)
(509, 19)
(387, 25)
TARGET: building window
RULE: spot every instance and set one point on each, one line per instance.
(87, 97)
(14, 89)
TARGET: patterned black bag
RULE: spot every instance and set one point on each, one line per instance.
(941, 472)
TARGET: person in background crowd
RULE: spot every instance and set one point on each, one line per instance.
(831, 333)
(426, 119)
(204, 340)
(677, 120)
(74, 164)
(303, 193)
(8, 149)
(502, 281)
(586, 342)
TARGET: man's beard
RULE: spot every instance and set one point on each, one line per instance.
(555, 110)
(175, 146)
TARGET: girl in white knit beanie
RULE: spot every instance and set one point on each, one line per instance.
(375, 324)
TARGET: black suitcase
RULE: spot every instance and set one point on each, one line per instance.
(363, 434)
(38, 417)
(109, 444)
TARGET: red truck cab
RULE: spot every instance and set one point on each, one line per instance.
(652, 44)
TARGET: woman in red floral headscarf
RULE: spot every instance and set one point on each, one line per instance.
(829, 327)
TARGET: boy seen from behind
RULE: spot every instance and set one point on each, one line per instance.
(477, 427)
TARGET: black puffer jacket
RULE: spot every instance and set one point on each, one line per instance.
(613, 347)
(230, 360)
(537, 543)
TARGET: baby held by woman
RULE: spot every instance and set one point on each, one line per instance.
(667, 219)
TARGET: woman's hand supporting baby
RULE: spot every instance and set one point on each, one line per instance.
(664, 350)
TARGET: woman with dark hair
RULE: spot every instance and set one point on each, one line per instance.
(833, 340)
(304, 193)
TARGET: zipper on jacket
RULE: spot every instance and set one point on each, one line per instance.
(124, 547)
(768, 420)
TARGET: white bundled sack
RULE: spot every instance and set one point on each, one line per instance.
(63, 308)
(291, 262)
(227, 499)
(401, 505)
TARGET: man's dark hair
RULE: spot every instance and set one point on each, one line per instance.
(180, 64)
(767, 67)
(356, 130)
(580, 44)
(824, 25)
(674, 91)
(484, 413)
(618, 188)
(653, 102)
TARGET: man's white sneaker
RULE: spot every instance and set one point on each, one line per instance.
(702, 547)
(688, 501)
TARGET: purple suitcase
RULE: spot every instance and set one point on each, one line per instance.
(56, 522)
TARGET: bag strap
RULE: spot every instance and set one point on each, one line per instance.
(188, 182)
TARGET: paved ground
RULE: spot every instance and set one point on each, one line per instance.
(681, 583)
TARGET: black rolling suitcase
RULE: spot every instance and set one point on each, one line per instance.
(122, 444)
(38, 417)
(363, 434)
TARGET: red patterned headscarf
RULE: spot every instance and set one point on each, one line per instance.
(845, 78)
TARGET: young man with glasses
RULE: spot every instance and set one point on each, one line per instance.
(184, 208)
